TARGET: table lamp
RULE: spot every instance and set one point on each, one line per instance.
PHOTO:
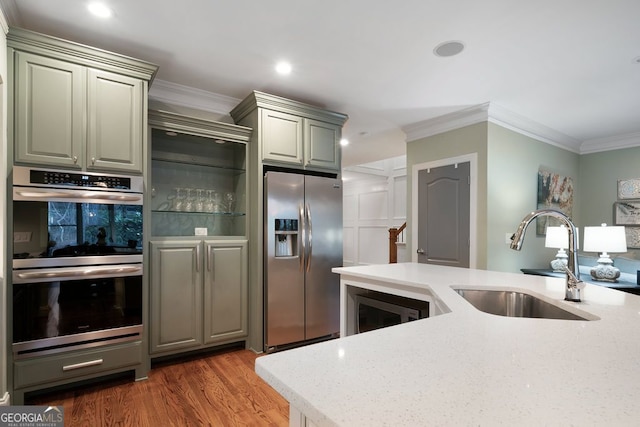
(558, 237)
(603, 240)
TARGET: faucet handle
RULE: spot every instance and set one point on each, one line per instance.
(573, 279)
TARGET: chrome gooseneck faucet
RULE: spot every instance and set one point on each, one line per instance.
(572, 292)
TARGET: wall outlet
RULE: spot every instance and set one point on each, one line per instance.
(21, 236)
(201, 231)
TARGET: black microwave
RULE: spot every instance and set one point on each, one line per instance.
(379, 310)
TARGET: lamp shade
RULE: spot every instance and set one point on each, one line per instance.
(557, 237)
(605, 239)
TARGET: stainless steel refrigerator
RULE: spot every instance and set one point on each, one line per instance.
(303, 241)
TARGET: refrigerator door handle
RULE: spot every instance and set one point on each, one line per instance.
(303, 235)
(310, 228)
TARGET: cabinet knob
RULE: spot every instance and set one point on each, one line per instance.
(75, 159)
(93, 160)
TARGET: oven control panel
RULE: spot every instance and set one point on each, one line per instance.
(73, 179)
(37, 177)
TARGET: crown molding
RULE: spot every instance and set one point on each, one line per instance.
(617, 142)
(185, 96)
(490, 112)
(520, 124)
(10, 15)
(447, 122)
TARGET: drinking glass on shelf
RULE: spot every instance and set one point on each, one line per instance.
(179, 200)
(208, 204)
(216, 202)
(190, 203)
(229, 199)
(199, 200)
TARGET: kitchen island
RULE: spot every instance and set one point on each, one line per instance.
(466, 367)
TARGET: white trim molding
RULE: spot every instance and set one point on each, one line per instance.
(472, 158)
(490, 112)
(6, 399)
(185, 96)
(494, 113)
(610, 143)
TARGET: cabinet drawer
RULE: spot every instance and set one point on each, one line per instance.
(60, 367)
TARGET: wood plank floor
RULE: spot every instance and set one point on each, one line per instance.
(219, 389)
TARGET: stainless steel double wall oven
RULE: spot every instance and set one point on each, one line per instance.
(77, 260)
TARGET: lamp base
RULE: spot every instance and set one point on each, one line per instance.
(561, 260)
(605, 271)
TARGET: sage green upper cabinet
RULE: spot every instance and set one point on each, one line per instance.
(282, 138)
(75, 106)
(291, 133)
(115, 122)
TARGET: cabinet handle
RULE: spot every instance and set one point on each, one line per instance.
(82, 365)
(75, 159)
(210, 255)
(198, 258)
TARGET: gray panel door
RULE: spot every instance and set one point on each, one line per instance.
(283, 274)
(323, 199)
(443, 215)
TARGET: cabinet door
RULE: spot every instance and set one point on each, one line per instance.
(49, 102)
(176, 295)
(225, 291)
(281, 138)
(321, 145)
(114, 113)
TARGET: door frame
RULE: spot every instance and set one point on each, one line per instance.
(472, 158)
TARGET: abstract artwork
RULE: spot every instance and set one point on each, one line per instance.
(555, 191)
(629, 189)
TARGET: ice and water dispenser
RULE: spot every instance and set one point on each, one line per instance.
(286, 231)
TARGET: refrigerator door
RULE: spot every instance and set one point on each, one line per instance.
(283, 263)
(323, 199)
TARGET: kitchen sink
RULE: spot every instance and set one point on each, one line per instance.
(515, 304)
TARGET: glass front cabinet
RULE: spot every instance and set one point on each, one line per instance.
(197, 222)
(198, 176)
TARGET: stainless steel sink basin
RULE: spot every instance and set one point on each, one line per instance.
(514, 304)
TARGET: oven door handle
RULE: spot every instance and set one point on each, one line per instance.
(70, 273)
(36, 194)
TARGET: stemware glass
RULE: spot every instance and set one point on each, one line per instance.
(229, 199)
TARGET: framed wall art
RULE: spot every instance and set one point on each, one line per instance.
(626, 213)
(629, 189)
(632, 235)
(555, 191)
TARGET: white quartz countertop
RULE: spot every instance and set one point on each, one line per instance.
(467, 367)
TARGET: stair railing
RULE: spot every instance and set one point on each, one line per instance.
(393, 240)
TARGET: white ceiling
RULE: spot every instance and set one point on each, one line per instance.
(572, 66)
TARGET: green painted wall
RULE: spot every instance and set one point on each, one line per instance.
(599, 175)
(512, 165)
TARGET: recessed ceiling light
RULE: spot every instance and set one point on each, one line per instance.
(344, 142)
(99, 9)
(171, 133)
(283, 68)
(449, 48)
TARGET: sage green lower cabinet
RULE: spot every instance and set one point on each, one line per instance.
(54, 370)
(199, 294)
